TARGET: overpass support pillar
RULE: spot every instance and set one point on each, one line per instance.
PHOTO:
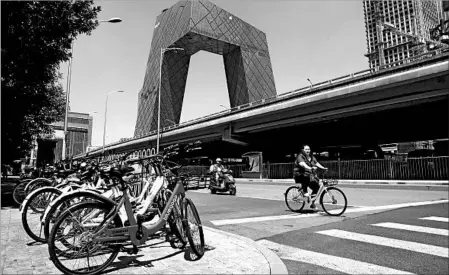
(229, 137)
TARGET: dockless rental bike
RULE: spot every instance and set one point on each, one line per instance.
(91, 234)
(332, 199)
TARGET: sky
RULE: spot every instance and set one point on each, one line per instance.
(319, 40)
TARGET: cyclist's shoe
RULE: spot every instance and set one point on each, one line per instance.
(306, 194)
(313, 206)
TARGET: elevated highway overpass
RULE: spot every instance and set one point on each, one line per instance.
(404, 103)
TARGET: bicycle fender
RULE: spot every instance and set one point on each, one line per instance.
(80, 192)
(33, 181)
(32, 193)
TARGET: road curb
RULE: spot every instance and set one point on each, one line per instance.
(277, 266)
(361, 182)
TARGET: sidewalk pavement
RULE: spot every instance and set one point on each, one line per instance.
(360, 182)
(226, 253)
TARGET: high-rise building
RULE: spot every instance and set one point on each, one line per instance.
(79, 134)
(416, 17)
(192, 26)
(48, 147)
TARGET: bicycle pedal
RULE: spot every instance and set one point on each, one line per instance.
(134, 250)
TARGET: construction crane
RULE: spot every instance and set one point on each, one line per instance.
(418, 39)
(378, 16)
(441, 32)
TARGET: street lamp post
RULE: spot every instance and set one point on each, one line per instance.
(69, 80)
(159, 95)
(227, 109)
(105, 115)
(311, 84)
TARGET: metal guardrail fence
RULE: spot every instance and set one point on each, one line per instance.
(429, 168)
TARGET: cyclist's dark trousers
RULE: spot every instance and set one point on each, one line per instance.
(305, 182)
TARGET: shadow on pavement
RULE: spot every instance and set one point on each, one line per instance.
(7, 187)
(34, 243)
(132, 260)
(126, 261)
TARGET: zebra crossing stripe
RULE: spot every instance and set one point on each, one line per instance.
(422, 229)
(437, 219)
(344, 265)
(412, 246)
(301, 216)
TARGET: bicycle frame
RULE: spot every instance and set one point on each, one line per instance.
(320, 190)
(323, 188)
(127, 233)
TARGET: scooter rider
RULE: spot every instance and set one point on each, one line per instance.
(217, 169)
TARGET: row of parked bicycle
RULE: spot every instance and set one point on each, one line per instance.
(89, 214)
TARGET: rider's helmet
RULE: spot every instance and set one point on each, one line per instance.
(218, 160)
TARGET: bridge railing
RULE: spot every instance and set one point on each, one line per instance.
(299, 92)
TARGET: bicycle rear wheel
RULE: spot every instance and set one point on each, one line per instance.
(76, 226)
(194, 228)
(294, 198)
(333, 201)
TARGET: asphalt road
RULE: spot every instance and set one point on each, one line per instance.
(313, 242)
(383, 243)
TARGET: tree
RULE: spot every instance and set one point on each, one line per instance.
(36, 39)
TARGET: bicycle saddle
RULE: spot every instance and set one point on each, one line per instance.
(121, 171)
(65, 173)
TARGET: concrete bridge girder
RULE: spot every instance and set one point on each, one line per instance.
(416, 87)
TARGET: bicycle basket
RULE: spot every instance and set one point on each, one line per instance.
(330, 182)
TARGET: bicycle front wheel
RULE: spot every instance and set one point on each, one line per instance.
(76, 226)
(294, 198)
(18, 194)
(194, 228)
(333, 201)
(33, 211)
(177, 226)
(36, 184)
(58, 207)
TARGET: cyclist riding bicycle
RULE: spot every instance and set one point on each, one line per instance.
(305, 163)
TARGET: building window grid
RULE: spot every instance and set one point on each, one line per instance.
(400, 14)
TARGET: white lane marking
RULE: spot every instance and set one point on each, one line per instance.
(437, 219)
(299, 216)
(333, 262)
(377, 240)
(421, 229)
(266, 198)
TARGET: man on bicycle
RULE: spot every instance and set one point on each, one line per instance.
(305, 164)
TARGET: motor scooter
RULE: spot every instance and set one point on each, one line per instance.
(226, 183)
